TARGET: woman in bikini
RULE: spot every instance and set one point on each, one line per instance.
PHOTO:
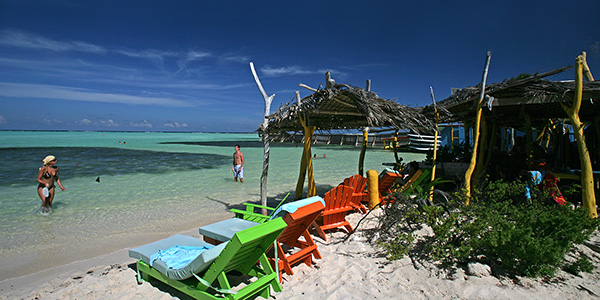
(46, 177)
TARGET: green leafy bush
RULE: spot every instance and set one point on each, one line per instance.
(498, 228)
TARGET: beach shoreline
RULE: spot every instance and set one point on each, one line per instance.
(350, 269)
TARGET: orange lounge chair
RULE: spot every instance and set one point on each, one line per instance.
(297, 222)
(337, 205)
(358, 184)
(387, 178)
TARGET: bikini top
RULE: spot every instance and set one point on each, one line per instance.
(47, 174)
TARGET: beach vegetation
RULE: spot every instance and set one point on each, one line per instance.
(499, 228)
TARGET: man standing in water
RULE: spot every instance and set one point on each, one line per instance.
(238, 164)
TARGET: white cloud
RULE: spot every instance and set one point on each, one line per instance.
(50, 122)
(22, 90)
(85, 122)
(21, 39)
(269, 71)
(195, 55)
(282, 71)
(175, 125)
(235, 58)
(143, 124)
(2, 120)
(151, 54)
(108, 123)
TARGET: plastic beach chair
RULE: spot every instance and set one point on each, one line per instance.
(298, 221)
(206, 277)
(337, 205)
(416, 181)
(251, 214)
(387, 181)
(358, 184)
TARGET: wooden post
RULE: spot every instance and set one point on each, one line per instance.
(587, 177)
(435, 139)
(490, 150)
(395, 147)
(306, 161)
(266, 142)
(478, 112)
(504, 138)
(597, 127)
(528, 139)
(481, 154)
(363, 150)
(467, 133)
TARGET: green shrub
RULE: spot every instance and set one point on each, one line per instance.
(583, 264)
(498, 228)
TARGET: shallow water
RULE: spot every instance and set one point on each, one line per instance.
(155, 185)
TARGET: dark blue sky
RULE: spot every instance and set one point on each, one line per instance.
(183, 65)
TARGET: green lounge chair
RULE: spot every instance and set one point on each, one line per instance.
(251, 214)
(241, 254)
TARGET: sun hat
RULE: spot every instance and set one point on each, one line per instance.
(48, 159)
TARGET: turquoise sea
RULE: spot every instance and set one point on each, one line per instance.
(151, 185)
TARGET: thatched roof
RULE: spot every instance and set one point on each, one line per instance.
(531, 94)
(347, 107)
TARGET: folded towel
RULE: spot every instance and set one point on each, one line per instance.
(178, 257)
(293, 206)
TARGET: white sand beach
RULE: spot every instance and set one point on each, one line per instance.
(351, 269)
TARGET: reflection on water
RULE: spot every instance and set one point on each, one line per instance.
(83, 161)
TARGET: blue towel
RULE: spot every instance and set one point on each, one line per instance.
(178, 257)
(293, 206)
(534, 178)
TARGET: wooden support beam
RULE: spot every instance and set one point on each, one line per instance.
(306, 162)
(363, 150)
(435, 140)
(481, 153)
(478, 113)
(587, 177)
(528, 139)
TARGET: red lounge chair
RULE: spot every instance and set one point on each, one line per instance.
(337, 205)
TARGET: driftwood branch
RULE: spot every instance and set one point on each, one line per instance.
(307, 87)
(266, 140)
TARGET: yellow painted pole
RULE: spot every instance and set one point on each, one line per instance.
(587, 177)
(480, 166)
(306, 162)
(478, 112)
(435, 140)
(363, 150)
(373, 188)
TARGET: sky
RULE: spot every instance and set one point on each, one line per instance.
(184, 65)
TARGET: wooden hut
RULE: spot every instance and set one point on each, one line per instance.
(340, 107)
(534, 105)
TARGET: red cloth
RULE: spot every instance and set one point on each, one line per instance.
(549, 184)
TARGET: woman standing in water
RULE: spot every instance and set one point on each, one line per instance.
(46, 177)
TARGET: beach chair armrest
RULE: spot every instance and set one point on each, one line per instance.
(252, 206)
